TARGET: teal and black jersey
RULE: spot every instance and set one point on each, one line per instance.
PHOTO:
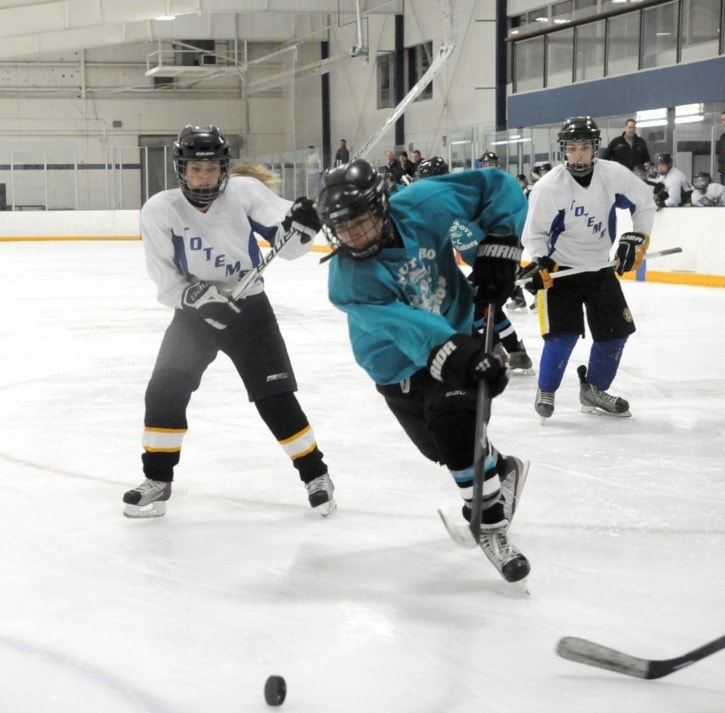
(406, 300)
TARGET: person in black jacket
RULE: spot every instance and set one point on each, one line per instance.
(628, 149)
(720, 150)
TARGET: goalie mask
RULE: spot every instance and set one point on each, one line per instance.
(205, 148)
(433, 166)
(353, 207)
(579, 140)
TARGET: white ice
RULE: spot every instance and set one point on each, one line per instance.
(375, 608)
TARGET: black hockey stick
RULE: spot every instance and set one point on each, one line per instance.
(587, 652)
(483, 415)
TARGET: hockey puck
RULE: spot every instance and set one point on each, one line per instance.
(275, 691)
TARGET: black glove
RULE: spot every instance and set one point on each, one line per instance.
(302, 217)
(212, 306)
(462, 361)
(538, 272)
(494, 271)
(630, 251)
(661, 195)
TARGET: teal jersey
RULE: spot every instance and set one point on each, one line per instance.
(406, 300)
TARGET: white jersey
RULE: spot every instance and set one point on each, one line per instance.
(676, 184)
(576, 226)
(218, 246)
(714, 194)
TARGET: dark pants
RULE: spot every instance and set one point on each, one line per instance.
(257, 350)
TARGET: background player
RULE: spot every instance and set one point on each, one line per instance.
(570, 224)
(410, 310)
(199, 242)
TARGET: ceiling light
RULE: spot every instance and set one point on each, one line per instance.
(165, 18)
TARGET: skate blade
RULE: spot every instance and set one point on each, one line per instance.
(594, 411)
(461, 534)
(154, 509)
(543, 419)
(523, 372)
(327, 508)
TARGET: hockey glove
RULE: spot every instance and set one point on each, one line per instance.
(212, 306)
(462, 361)
(302, 217)
(630, 251)
(494, 271)
(538, 272)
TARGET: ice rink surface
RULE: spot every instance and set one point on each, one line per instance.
(374, 609)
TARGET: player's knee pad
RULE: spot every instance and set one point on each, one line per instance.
(167, 396)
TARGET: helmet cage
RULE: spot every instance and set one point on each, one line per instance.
(489, 160)
(201, 144)
(580, 128)
(701, 181)
(350, 195)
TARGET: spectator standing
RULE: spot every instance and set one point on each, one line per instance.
(628, 149)
(393, 172)
(720, 150)
(677, 188)
(407, 166)
(417, 158)
(342, 155)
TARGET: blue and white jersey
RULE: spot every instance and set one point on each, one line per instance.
(219, 245)
(576, 226)
(406, 300)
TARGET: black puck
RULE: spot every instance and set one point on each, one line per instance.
(275, 691)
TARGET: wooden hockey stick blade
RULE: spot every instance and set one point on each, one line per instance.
(591, 654)
(460, 534)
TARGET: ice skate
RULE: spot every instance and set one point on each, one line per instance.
(520, 362)
(517, 301)
(147, 500)
(320, 492)
(544, 404)
(512, 484)
(511, 564)
(594, 400)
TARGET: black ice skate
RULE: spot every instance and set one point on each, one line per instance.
(520, 362)
(148, 499)
(319, 492)
(594, 400)
(517, 301)
(511, 564)
(544, 404)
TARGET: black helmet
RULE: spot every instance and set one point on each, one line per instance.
(665, 158)
(579, 128)
(350, 192)
(201, 143)
(702, 180)
(433, 166)
(489, 159)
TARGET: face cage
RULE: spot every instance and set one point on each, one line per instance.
(701, 183)
(374, 245)
(202, 196)
(575, 169)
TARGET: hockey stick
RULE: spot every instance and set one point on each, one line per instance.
(601, 266)
(483, 415)
(255, 273)
(469, 536)
(587, 652)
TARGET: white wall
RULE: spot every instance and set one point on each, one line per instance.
(700, 232)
